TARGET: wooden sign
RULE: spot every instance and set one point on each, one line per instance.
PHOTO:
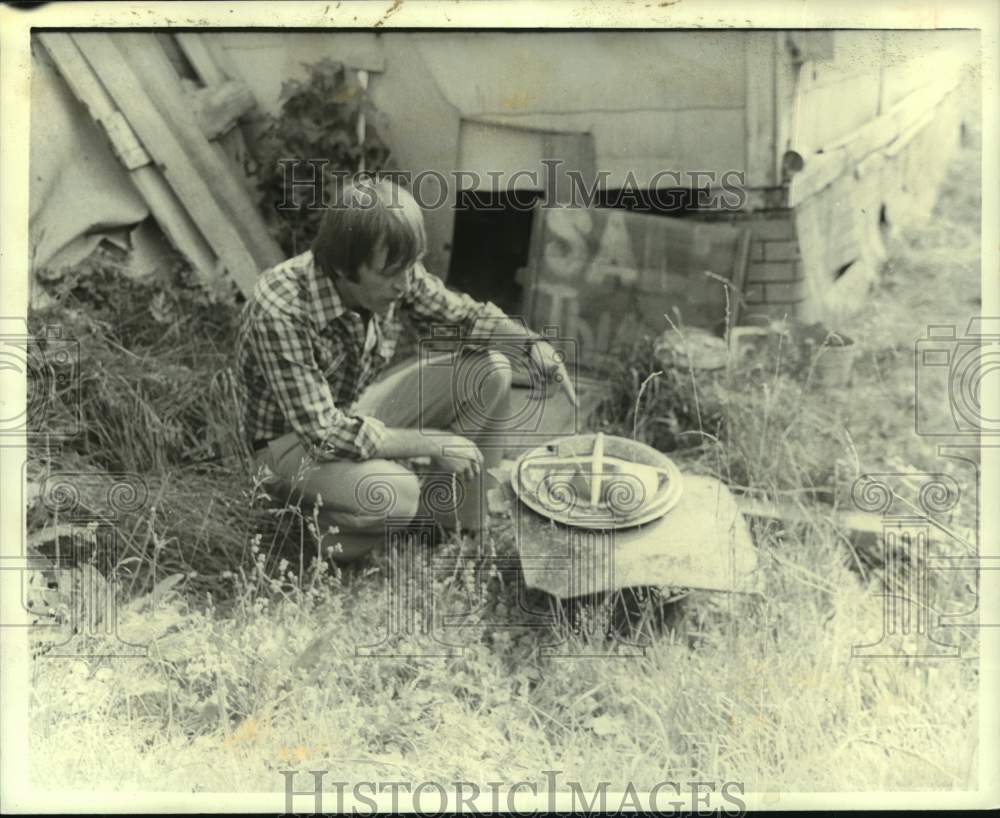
(603, 277)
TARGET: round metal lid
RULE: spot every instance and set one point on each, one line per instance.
(597, 481)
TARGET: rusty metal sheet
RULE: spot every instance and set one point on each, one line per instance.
(704, 543)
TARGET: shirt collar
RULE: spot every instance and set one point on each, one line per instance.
(326, 305)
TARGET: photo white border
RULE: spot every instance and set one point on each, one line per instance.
(15, 64)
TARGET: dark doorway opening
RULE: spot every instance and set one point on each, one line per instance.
(491, 241)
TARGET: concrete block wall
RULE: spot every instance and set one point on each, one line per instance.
(775, 285)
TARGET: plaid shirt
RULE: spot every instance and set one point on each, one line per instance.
(303, 357)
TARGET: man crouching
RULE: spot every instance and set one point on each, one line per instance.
(321, 411)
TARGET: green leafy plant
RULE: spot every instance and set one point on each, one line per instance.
(318, 124)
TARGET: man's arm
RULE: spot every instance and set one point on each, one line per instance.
(283, 347)
(453, 453)
(433, 303)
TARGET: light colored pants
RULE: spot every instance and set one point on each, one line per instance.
(470, 398)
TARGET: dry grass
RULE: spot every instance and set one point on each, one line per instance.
(763, 693)
(760, 426)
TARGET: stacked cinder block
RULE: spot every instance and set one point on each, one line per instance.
(774, 285)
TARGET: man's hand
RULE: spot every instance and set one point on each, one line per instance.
(459, 456)
(453, 454)
(553, 367)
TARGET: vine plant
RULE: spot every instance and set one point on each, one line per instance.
(317, 128)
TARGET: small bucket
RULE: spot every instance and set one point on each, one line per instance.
(834, 362)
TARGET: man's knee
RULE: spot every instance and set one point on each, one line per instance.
(360, 497)
(389, 492)
(493, 375)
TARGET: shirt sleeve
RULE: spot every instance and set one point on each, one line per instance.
(432, 303)
(283, 347)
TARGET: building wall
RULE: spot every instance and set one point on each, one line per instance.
(491, 101)
(894, 188)
(865, 74)
(645, 101)
(838, 95)
(818, 261)
(651, 100)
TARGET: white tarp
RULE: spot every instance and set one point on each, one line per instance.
(79, 192)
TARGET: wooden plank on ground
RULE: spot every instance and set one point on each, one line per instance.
(739, 279)
(161, 200)
(193, 187)
(864, 529)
